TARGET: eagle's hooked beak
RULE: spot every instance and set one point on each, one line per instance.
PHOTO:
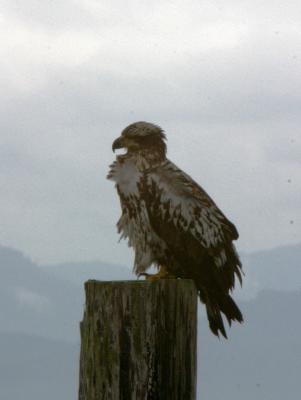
(119, 143)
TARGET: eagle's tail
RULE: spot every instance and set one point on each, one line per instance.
(216, 305)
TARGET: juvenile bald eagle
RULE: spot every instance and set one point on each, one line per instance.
(172, 223)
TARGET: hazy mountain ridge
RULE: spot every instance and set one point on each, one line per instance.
(79, 272)
(32, 367)
(276, 269)
(261, 359)
(34, 302)
(37, 300)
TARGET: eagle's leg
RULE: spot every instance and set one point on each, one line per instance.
(162, 274)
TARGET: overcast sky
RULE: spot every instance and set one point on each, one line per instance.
(222, 78)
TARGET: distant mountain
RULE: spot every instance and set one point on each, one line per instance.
(46, 301)
(80, 272)
(34, 302)
(35, 368)
(276, 269)
(261, 359)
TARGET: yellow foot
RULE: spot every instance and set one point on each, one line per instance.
(162, 274)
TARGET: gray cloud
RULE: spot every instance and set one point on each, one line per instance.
(49, 14)
(226, 90)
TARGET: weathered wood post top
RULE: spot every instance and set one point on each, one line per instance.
(138, 341)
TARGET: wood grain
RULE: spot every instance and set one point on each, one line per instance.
(138, 341)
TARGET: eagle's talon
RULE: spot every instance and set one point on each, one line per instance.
(161, 274)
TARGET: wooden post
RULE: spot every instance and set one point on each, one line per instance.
(138, 341)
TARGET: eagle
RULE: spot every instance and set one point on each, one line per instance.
(173, 224)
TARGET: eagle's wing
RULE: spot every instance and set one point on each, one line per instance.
(197, 237)
(183, 214)
(175, 196)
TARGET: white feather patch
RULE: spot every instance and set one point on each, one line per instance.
(134, 224)
(177, 189)
(126, 176)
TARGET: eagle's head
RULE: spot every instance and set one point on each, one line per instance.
(144, 138)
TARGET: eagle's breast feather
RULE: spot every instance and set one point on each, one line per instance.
(134, 223)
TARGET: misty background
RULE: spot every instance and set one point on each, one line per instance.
(223, 80)
(41, 307)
